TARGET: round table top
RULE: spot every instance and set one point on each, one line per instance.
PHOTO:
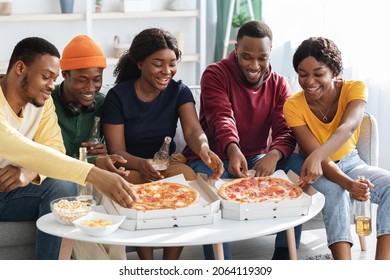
(222, 231)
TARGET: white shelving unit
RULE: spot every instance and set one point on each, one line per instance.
(102, 27)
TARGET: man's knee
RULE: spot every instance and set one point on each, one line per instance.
(61, 188)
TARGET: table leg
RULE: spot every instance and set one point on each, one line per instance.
(292, 249)
(218, 251)
(66, 249)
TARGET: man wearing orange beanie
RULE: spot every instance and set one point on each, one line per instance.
(78, 101)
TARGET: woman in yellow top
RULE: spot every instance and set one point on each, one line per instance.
(325, 118)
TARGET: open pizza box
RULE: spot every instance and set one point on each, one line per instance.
(205, 211)
(268, 210)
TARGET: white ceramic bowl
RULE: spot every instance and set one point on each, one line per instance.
(68, 209)
(97, 219)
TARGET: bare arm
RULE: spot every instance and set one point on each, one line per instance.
(197, 140)
(115, 141)
(318, 161)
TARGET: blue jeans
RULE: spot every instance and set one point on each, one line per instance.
(31, 202)
(293, 162)
(337, 209)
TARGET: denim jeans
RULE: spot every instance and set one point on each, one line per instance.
(33, 201)
(337, 209)
(293, 162)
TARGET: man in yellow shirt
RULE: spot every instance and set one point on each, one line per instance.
(31, 145)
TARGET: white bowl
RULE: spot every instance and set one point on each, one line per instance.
(99, 230)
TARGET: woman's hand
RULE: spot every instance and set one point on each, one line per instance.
(311, 168)
(213, 161)
(148, 172)
(360, 190)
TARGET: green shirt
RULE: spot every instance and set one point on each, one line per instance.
(75, 129)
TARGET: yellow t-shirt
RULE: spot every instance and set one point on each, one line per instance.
(297, 113)
(34, 141)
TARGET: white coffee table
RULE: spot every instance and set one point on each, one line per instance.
(222, 231)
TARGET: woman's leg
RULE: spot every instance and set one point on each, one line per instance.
(336, 214)
(177, 165)
(172, 253)
(145, 253)
(380, 194)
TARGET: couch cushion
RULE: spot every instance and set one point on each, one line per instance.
(17, 233)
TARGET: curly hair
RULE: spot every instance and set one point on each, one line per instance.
(323, 50)
(144, 44)
(30, 48)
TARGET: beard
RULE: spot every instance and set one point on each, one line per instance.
(24, 85)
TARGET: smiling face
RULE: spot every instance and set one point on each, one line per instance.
(81, 85)
(253, 58)
(38, 80)
(158, 69)
(315, 78)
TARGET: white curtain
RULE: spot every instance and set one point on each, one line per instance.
(360, 28)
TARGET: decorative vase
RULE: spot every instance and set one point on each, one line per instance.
(67, 6)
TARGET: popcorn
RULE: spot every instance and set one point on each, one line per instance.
(66, 211)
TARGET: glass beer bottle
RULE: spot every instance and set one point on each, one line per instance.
(95, 131)
(85, 191)
(362, 210)
(161, 158)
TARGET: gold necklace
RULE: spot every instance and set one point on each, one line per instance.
(325, 116)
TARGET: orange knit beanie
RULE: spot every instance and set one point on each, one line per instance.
(82, 52)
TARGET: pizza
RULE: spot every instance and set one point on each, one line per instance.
(164, 195)
(259, 189)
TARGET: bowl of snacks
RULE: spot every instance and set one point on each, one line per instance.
(98, 224)
(68, 209)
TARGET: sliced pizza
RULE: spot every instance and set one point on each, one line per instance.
(164, 195)
(259, 189)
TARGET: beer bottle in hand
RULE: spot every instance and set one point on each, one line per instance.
(362, 210)
(161, 158)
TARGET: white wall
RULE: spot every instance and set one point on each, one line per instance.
(103, 31)
(358, 27)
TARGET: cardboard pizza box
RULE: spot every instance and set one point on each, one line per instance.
(268, 210)
(131, 224)
(208, 203)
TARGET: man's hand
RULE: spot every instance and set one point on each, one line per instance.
(113, 186)
(266, 166)
(107, 162)
(238, 166)
(95, 149)
(12, 177)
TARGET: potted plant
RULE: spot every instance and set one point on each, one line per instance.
(98, 6)
(239, 19)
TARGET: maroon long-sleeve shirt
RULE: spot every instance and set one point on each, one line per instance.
(233, 111)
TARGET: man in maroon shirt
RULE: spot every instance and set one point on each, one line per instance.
(241, 112)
